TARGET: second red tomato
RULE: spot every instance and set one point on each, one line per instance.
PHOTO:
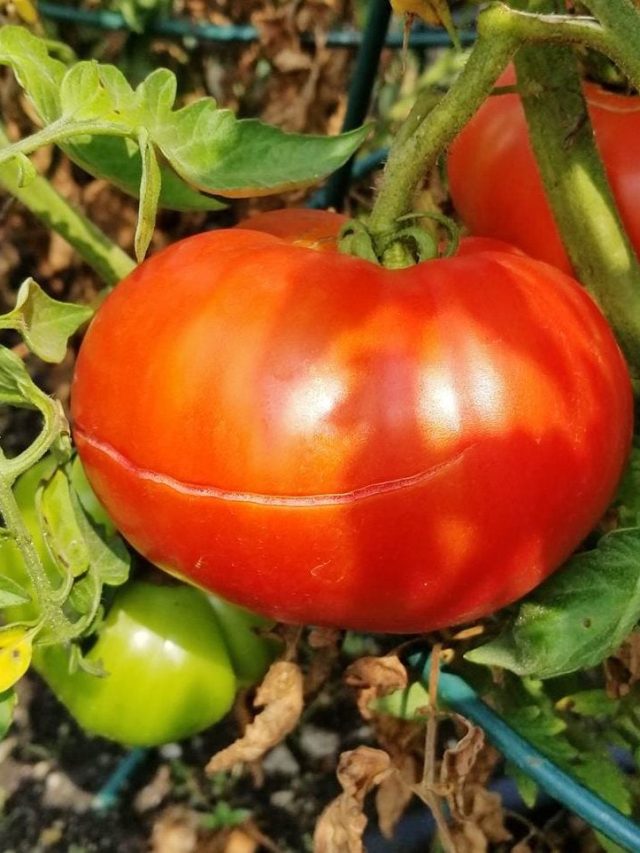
(496, 186)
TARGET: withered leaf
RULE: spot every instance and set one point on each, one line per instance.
(374, 677)
(342, 824)
(457, 763)
(484, 822)
(395, 792)
(281, 698)
(326, 644)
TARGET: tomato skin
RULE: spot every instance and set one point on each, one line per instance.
(329, 442)
(168, 671)
(496, 186)
(315, 229)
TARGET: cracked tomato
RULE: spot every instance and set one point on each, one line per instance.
(327, 441)
(494, 180)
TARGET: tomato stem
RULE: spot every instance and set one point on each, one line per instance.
(620, 20)
(578, 190)
(414, 155)
(107, 259)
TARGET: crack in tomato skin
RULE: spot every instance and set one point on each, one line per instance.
(349, 497)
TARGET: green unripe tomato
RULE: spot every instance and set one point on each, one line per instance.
(169, 674)
(250, 653)
(174, 656)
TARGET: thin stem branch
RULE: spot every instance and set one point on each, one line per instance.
(57, 132)
(106, 258)
(415, 155)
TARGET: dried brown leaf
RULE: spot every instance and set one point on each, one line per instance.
(374, 677)
(395, 792)
(281, 697)
(326, 644)
(457, 763)
(483, 824)
(175, 831)
(342, 824)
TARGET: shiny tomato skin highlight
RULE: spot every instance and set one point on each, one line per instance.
(328, 442)
(496, 186)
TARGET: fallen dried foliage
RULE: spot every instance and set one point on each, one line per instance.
(281, 698)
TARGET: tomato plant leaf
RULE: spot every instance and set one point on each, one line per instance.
(149, 195)
(45, 323)
(628, 497)
(568, 741)
(589, 703)
(89, 106)
(577, 617)
(109, 558)
(215, 152)
(116, 159)
(39, 74)
(84, 599)
(12, 593)
(7, 704)
(16, 386)
(60, 528)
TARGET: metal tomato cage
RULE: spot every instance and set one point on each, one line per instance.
(453, 691)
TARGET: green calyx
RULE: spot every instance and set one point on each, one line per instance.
(403, 246)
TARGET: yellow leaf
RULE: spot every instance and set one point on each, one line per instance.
(433, 12)
(15, 655)
(26, 10)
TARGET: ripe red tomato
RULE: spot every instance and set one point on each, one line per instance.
(495, 183)
(326, 441)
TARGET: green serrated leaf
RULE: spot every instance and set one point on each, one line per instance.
(577, 617)
(45, 324)
(16, 386)
(84, 598)
(63, 536)
(119, 161)
(216, 153)
(207, 147)
(12, 593)
(37, 72)
(8, 701)
(110, 560)
(83, 95)
(527, 788)
(589, 703)
(628, 497)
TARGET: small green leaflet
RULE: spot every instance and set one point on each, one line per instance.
(7, 704)
(577, 617)
(45, 323)
(11, 593)
(60, 526)
(16, 386)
